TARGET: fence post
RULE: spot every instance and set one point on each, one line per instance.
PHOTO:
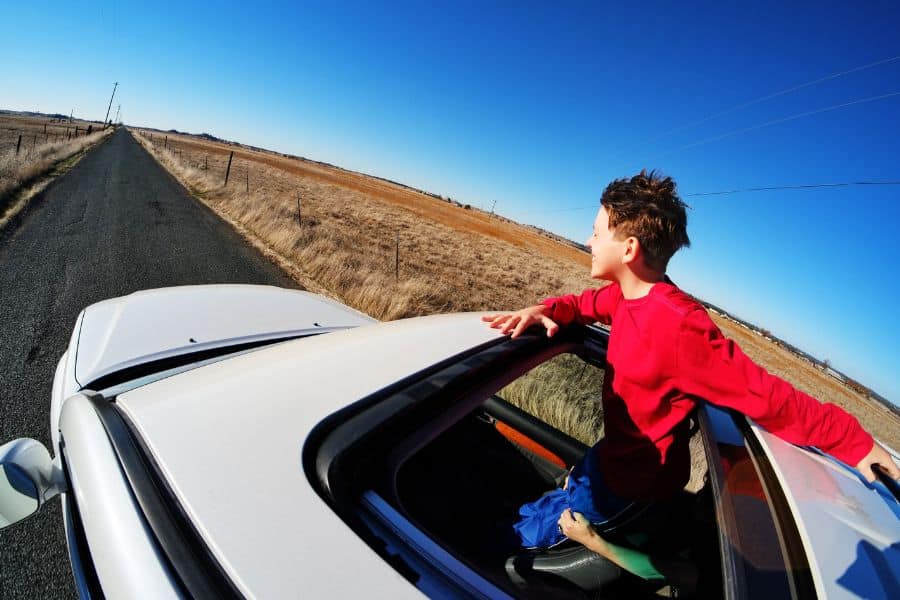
(299, 214)
(76, 131)
(206, 162)
(228, 169)
(45, 128)
(248, 180)
(397, 258)
(18, 144)
(166, 143)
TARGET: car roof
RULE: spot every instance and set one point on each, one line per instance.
(849, 530)
(228, 438)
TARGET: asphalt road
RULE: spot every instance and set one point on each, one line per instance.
(116, 223)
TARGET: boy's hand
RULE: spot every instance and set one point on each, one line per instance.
(575, 527)
(878, 456)
(521, 320)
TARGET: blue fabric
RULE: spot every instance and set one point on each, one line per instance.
(587, 493)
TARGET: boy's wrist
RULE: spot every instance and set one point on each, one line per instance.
(546, 307)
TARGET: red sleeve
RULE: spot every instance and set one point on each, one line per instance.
(590, 306)
(715, 369)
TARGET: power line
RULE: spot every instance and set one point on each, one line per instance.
(793, 187)
(775, 122)
(740, 191)
(766, 97)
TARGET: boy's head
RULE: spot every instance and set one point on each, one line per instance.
(646, 208)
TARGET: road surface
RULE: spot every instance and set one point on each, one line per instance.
(116, 223)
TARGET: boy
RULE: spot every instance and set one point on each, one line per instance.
(665, 354)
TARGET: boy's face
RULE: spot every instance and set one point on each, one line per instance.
(606, 251)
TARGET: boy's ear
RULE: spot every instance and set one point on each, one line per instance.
(632, 250)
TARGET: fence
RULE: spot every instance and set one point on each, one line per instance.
(26, 140)
(239, 169)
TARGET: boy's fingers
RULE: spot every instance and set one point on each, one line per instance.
(509, 323)
(551, 326)
(520, 327)
(499, 321)
(890, 467)
(878, 456)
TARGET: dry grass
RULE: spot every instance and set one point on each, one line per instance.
(37, 155)
(451, 259)
(36, 131)
(564, 391)
(347, 242)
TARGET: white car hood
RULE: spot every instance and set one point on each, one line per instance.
(155, 324)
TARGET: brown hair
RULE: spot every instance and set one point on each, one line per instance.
(647, 207)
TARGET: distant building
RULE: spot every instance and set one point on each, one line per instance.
(835, 374)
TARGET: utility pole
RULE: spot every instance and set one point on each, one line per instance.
(492, 207)
(110, 104)
(116, 120)
(71, 112)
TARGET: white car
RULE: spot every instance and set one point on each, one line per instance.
(248, 441)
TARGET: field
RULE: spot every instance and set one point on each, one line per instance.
(31, 146)
(37, 131)
(341, 233)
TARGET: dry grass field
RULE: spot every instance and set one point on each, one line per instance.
(345, 239)
(30, 147)
(37, 131)
(344, 244)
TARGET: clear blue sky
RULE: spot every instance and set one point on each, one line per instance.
(537, 106)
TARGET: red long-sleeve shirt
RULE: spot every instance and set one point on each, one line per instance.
(664, 355)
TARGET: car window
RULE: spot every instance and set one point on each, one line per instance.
(563, 392)
(474, 441)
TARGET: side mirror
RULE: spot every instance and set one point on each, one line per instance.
(28, 478)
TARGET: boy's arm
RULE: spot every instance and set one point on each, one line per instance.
(682, 573)
(590, 306)
(715, 369)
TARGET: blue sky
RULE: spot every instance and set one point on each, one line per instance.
(537, 106)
